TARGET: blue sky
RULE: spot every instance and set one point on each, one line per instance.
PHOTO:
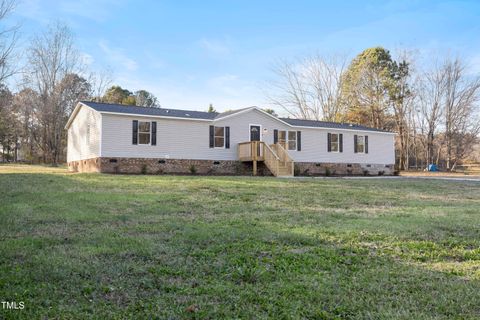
(192, 53)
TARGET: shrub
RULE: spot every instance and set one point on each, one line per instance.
(296, 170)
(365, 172)
(192, 169)
(381, 173)
(328, 173)
(144, 169)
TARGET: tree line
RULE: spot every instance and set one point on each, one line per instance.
(53, 78)
(433, 106)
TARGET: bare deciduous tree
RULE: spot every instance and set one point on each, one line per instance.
(462, 94)
(325, 76)
(25, 104)
(431, 89)
(310, 88)
(402, 99)
(8, 40)
(52, 57)
(100, 82)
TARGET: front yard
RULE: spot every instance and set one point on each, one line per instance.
(97, 246)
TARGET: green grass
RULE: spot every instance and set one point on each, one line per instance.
(82, 246)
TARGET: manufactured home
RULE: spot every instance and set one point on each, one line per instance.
(116, 138)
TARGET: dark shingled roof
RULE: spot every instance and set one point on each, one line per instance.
(326, 124)
(230, 112)
(176, 113)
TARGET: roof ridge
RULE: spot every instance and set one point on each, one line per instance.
(340, 125)
(131, 105)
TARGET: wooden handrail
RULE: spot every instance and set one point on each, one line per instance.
(271, 159)
(285, 158)
(275, 157)
(270, 149)
(284, 152)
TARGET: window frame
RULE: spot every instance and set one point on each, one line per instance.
(144, 132)
(337, 142)
(363, 144)
(215, 136)
(295, 140)
(286, 142)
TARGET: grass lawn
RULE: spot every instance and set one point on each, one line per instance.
(82, 246)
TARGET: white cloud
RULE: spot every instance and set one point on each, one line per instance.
(116, 56)
(87, 58)
(215, 47)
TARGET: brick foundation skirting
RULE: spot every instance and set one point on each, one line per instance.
(220, 167)
(341, 169)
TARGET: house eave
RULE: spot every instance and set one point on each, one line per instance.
(73, 115)
(136, 115)
(345, 129)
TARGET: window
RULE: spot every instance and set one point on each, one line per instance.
(219, 137)
(360, 147)
(143, 132)
(292, 140)
(335, 142)
(282, 138)
(287, 139)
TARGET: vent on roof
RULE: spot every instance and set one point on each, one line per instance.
(187, 114)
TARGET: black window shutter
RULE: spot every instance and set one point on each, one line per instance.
(275, 136)
(355, 140)
(299, 140)
(212, 132)
(329, 142)
(135, 132)
(366, 144)
(154, 133)
(340, 141)
(227, 137)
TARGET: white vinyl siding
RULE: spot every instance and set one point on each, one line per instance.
(189, 139)
(84, 135)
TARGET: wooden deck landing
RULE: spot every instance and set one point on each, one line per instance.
(275, 157)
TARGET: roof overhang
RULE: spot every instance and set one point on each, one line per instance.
(80, 104)
(73, 115)
(153, 116)
(345, 129)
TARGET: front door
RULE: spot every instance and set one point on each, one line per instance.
(255, 136)
(254, 133)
